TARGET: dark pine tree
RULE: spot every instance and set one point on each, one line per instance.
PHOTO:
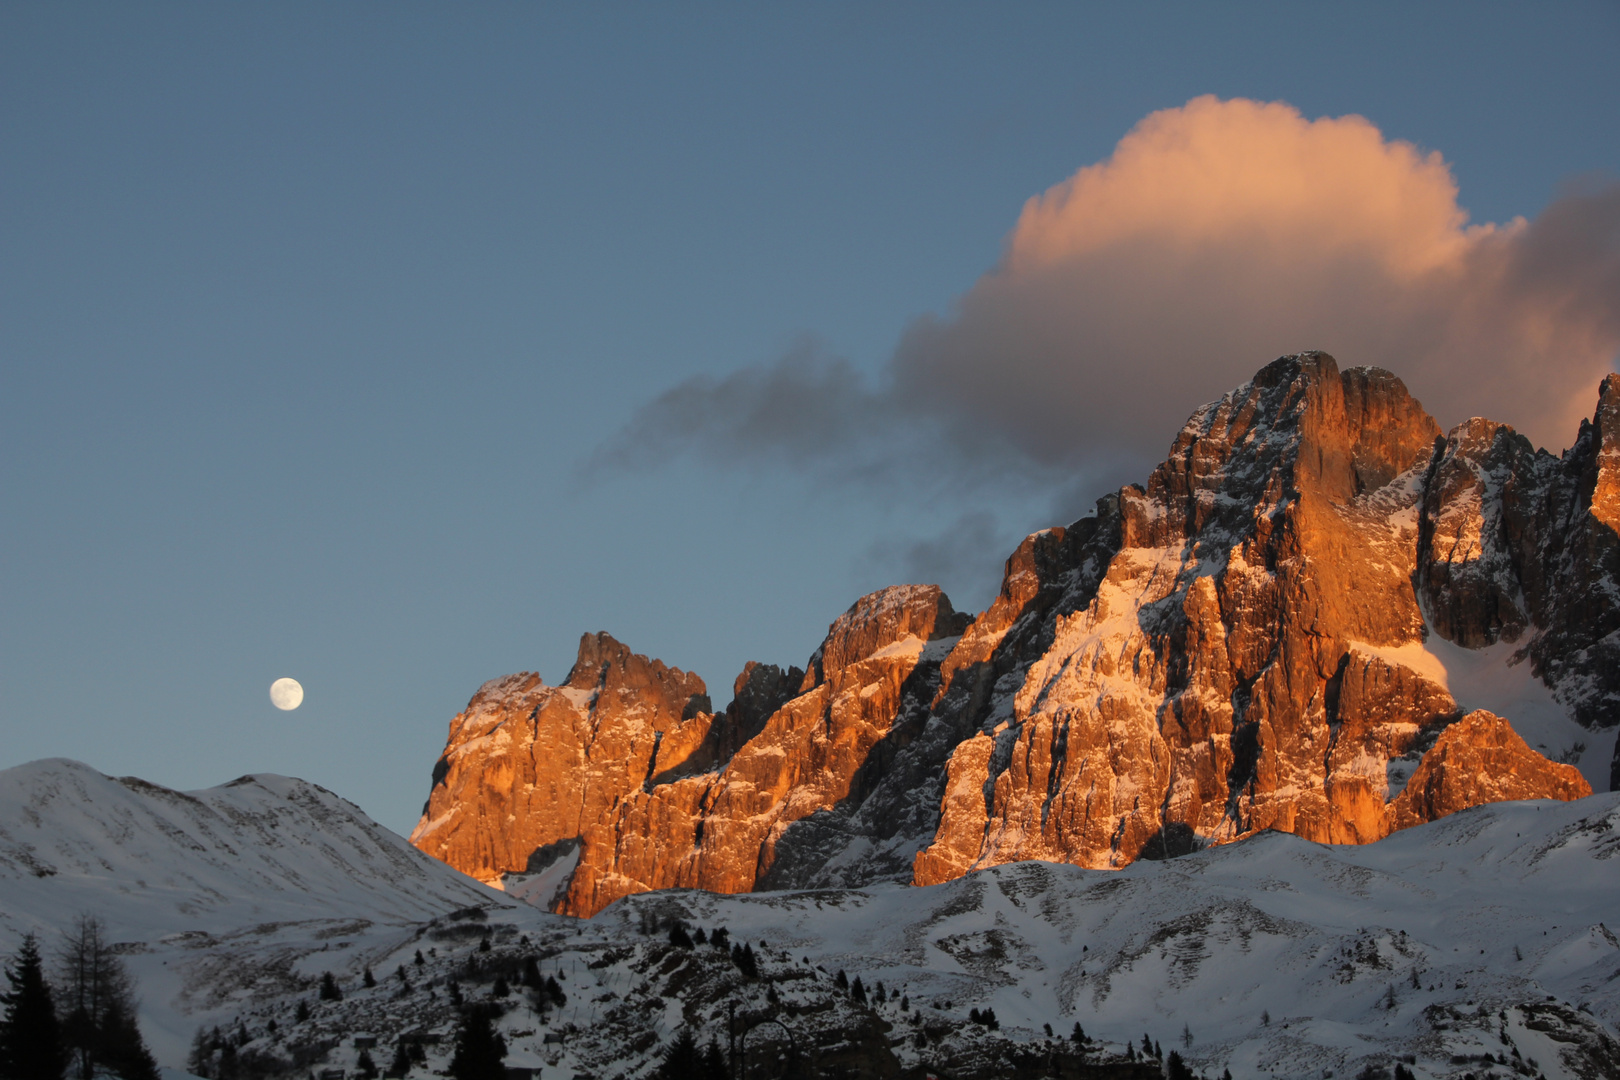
(1176, 1069)
(329, 988)
(419, 961)
(365, 1066)
(302, 1013)
(120, 1047)
(713, 1065)
(554, 992)
(989, 1019)
(400, 1067)
(479, 1050)
(500, 989)
(857, 992)
(1078, 1035)
(30, 1042)
(483, 945)
(531, 974)
(678, 936)
(721, 938)
(201, 1055)
(841, 980)
(368, 980)
(682, 1061)
(699, 937)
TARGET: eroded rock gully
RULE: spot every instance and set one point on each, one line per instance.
(1238, 645)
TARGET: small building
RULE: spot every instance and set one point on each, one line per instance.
(552, 1037)
(365, 1042)
(331, 1074)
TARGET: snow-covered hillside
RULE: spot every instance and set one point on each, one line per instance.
(1481, 934)
(263, 864)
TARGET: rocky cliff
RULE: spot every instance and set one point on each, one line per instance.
(1249, 641)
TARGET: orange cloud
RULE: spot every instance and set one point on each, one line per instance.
(1223, 233)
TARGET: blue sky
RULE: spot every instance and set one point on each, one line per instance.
(312, 318)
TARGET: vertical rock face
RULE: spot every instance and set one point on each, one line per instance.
(528, 766)
(731, 830)
(1236, 645)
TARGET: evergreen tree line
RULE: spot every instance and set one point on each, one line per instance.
(81, 1022)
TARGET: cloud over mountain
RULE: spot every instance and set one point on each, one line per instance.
(1224, 232)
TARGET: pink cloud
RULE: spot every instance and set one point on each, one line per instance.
(1223, 233)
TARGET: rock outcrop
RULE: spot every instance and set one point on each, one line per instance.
(1238, 645)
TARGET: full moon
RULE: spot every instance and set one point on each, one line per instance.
(286, 694)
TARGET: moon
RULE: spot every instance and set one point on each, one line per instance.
(286, 694)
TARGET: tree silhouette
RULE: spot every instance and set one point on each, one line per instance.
(681, 1059)
(98, 1001)
(479, 1050)
(30, 1042)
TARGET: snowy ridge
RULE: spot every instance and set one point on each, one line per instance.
(262, 862)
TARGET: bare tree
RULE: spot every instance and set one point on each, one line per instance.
(97, 1005)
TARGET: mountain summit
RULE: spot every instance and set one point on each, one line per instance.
(1320, 615)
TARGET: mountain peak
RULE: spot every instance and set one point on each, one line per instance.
(1298, 617)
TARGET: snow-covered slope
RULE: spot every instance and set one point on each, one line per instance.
(1481, 934)
(186, 878)
(1483, 922)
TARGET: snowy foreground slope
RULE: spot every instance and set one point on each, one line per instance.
(1481, 934)
(266, 865)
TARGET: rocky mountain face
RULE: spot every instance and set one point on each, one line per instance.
(1247, 642)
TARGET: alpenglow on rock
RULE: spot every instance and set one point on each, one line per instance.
(1320, 615)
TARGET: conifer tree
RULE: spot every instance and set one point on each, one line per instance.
(857, 992)
(365, 1066)
(400, 1067)
(1176, 1069)
(368, 980)
(479, 1050)
(329, 988)
(1079, 1033)
(30, 1041)
(201, 1055)
(713, 1065)
(120, 1047)
(682, 1060)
